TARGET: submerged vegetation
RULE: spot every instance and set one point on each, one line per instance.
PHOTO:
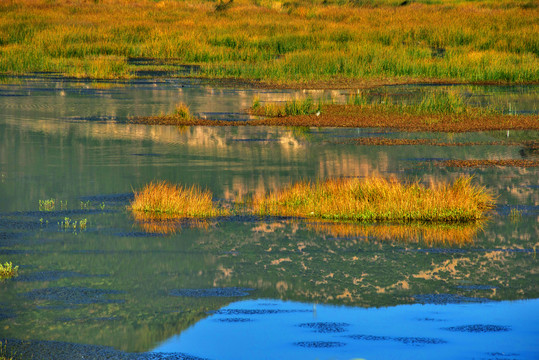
(300, 42)
(7, 271)
(378, 199)
(164, 200)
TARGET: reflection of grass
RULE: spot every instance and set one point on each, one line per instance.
(515, 215)
(158, 223)
(378, 199)
(431, 234)
(175, 201)
(68, 224)
(7, 271)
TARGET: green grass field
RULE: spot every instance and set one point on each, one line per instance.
(307, 42)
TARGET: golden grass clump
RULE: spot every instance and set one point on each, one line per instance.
(378, 199)
(7, 271)
(175, 201)
(182, 111)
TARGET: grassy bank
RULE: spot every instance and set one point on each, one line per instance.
(305, 42)
(378, 199)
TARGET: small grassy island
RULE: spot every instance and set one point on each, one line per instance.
(372, 199)
(377, 199)
(164, 200)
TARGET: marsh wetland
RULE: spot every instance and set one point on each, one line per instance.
(96, 280)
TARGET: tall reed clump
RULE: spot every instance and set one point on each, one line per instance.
(378, 199)
(293, 107)
(181, 111)
(442, 102)
(175, 201)
(7, 271)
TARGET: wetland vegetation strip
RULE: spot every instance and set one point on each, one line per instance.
(365, 116)
(300, 43)
(378, 199)
(371, 199)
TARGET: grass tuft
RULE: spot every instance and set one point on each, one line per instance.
(175, 201)
(377, 199)
(7, 271)
(182, 111)
(293, 107)
(515, 215)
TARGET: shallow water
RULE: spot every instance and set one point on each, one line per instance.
(144, 287)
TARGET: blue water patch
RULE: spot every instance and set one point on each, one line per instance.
(443, 299)
(402, 339)
(293, 330)
(320, 344)
(326, 327)
(479, 328)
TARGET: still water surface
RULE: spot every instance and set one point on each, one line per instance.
(240, 287)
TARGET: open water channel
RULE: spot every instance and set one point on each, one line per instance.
(246, 287)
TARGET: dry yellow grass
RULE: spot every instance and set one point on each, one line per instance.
(175, 201)
(378, 199)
